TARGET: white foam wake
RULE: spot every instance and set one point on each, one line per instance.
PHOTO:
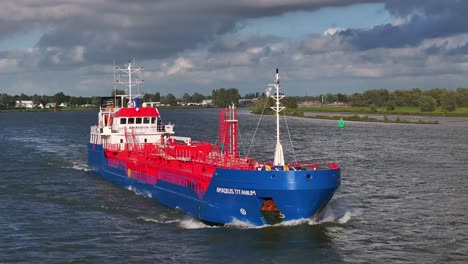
(335, 215)
(80, 166)
(159, 221)
(188, 223)
(137, 192)
(194, 224)
(331, 215)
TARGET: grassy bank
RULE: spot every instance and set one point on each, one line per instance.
(460, 111)
(366, 118)
(356, 117)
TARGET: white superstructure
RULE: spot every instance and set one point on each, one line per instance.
(122, 121)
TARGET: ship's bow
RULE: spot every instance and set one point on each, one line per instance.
(269, 197)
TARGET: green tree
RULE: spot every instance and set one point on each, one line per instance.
(169, 99)
(358, 99)
(251, 95)
(152, 97)
(342, 97)
(462, 97)
(407, 97)
(427, 103)
(6, 101)
(24, 97)
(96, 101)
(448, 101)
(74, 101)
(157, 97)
(330, 98)
(197, 98)
(259, 106)
(61, 98)
(81, 100)
(36, 99)
(186, 98)
(289, 102)
(223, 97)
(391, 106)
(118, 92)
(436, 93)
(377, 97)
(44, 100)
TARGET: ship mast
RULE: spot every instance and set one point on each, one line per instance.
(129, 70)
(279, 156)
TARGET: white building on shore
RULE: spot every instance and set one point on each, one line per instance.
(24, 104)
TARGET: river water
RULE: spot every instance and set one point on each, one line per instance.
(403, 197)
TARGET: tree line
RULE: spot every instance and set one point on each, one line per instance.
(427, 100)
(9, 101)
(220, 98)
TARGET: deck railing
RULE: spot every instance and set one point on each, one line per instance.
(200, 153)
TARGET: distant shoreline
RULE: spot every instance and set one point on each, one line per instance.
(410, 115)
(407, 116)
(34, 110)
(357, 114)
(14, 110)
(414, 111)
(366, 118)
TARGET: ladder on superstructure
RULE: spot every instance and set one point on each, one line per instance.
(131, 141)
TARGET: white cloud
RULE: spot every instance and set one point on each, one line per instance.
(332, 31)
(365, 71)
(9, 65)
(77, 54)
(180, 65)
(398, 21)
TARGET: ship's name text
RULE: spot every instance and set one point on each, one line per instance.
(235, 191)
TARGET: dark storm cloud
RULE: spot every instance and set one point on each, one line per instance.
(426, 20)
(87, 32)
(236, 43)
(143, 29)
(428, 7)
(459, 50)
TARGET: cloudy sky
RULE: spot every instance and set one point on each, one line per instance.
(320, 46)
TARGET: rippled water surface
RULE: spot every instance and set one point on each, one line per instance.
(403, 197)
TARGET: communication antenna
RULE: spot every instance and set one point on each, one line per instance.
(129, 71)
(115, 88)
(279, 155)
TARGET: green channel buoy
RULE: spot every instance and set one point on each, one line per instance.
(341, 123)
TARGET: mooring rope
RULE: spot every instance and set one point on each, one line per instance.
(258, 124)
(290, 139)
(240, 139)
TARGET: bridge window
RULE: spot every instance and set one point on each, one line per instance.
(123, 121)
(131, 120)
(153, 120)
(138, 120)
(146, 120)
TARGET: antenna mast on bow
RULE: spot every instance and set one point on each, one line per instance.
(279, 156)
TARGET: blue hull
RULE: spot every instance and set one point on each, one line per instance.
(234, 194)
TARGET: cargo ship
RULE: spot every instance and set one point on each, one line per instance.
(131, 147)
